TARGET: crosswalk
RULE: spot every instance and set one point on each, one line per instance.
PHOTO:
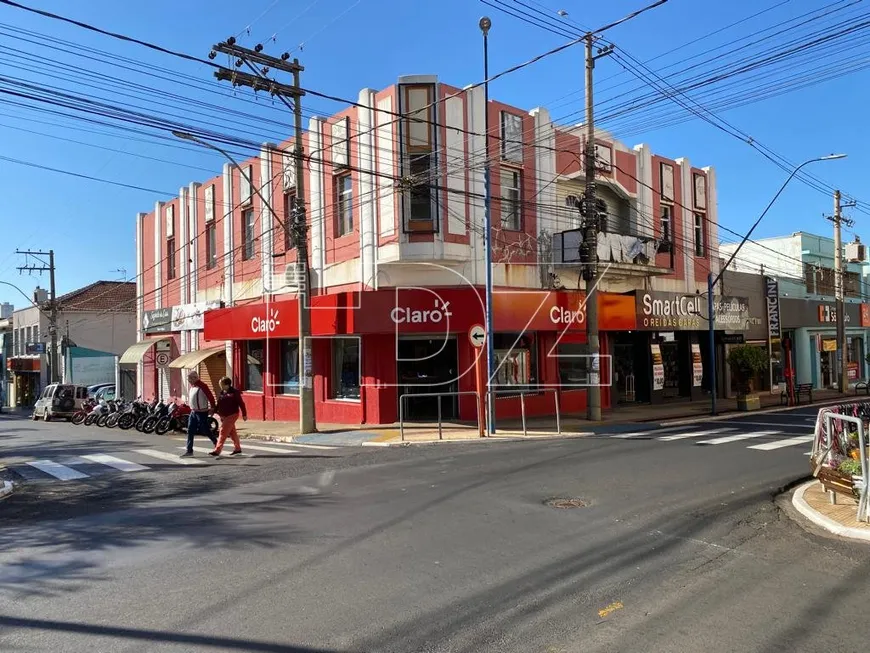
(767, 439)
(90, 465)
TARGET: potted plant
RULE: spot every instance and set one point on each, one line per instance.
(747, 361)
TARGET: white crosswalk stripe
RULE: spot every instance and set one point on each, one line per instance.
(168, 457)
(739, 437)
(779, 444)
(117, 463)
(57, 470)
(693, 434)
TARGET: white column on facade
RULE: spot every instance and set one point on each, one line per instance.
(193, 231)
(476, 158)
(229, 250)
(367, 195)
(545, 167)
(712, 219)
(268, 225)
(140, 297)
(316, 228)
(645, 215)
(688, 230)
(184, 263)
(159, 219)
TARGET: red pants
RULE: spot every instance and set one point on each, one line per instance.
(228, 430)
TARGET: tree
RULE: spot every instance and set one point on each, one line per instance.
(747, 361)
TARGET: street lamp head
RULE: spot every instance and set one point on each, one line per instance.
(485, 23)
(185, 136)
(831, 157)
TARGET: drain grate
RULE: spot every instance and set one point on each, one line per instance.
(565, 502)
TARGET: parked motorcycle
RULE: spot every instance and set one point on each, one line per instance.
(79, 416)
(136, 409)
(146, 413)
(160, 411)
(98, 411)
(176, 419)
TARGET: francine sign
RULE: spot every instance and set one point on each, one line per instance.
(660, 311)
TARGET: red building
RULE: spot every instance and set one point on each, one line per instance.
(394, 200)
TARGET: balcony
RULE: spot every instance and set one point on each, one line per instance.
(628, 255)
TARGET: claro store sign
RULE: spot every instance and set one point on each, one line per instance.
(661, 311)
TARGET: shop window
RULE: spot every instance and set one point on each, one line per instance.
(170, 258)
(344, 204)
(667, 211)
(288, 382)
(345, 368)
(511, 193)
(421, 189)
(511, 137)
(699, 234)
(573, 364)
(248, 238)
(516, 360)
(210, 246)
(255, 355)
(289, 220)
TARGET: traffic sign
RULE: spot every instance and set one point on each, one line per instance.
(162, 359)
(477, 336)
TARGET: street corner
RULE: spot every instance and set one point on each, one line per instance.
(814, 505)
(350, 438)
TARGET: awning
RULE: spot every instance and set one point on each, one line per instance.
(193, 359)
(137, 352)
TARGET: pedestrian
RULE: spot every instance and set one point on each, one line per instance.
(202, 405)
(229, 406)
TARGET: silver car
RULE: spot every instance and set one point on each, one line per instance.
(59, 400)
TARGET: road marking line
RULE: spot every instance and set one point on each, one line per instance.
(779, 444)
(257, 447)
(778, 425)
(693, 434)
(206, 450)
(112, 461)
(739, 436)
(170, 457)
(616, 605)
(307, 446)
(274, 443)
(57, 470)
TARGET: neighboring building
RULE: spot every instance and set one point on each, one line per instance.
(803, 266)
(6, 345)
(397, 265)
(95, 325)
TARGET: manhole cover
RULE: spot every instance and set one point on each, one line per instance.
(563, 502)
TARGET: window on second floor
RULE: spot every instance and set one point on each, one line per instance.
(289, 220)
(667, 212)
(511, 199)
(248, 238)
(170, 258)
(419, 161)
(343, 205)
(699, 234)
(210, 246)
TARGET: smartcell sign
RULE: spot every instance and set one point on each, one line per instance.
(661, 311)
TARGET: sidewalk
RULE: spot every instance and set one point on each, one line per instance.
(571, 425)
(813, 502)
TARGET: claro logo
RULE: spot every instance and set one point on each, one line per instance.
(559, 315)
(409, 315)
(265, 324)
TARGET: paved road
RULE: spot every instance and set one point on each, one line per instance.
(445, 548)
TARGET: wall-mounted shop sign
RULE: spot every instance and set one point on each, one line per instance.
(771, 287)
(733, 339)
(158, 320)
(828, 314)
(189, 317)
(662, 311)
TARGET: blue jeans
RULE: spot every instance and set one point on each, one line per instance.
(198, 424)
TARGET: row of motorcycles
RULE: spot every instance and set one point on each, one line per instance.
(156, 416)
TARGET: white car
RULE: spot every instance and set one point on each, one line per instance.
(59, 400)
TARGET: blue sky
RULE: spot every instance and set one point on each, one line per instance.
(352, 44)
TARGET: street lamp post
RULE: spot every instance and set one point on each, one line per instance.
(711, 282)
(485, 24)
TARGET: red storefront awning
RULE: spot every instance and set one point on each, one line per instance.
(420, 311)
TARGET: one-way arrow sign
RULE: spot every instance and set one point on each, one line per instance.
(477, 335)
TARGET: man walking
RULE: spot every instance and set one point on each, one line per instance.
(202, 405)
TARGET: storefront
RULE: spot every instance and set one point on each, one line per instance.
(371, 349)
(668, 354)
(810, 340)
(26, 383)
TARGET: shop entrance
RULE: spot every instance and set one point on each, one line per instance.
(425, 366)
(827, 368)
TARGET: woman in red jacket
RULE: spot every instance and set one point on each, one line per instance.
(229, 405)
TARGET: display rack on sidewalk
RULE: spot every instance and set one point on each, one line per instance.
(839, 458)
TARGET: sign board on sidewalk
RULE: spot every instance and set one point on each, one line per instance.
(658, 366)
(477, 336)
(697, 366)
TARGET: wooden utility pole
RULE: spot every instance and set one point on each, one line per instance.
(52, 316)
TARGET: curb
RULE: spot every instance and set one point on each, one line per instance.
(800, 504)
(749, 413)
(488, 440)
(6, 490)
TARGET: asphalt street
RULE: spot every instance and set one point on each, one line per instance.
(675, 546)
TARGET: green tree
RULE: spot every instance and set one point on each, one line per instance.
(747, 361)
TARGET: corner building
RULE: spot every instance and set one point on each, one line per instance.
(395, 208)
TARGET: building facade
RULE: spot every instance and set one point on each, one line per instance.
(395, 207)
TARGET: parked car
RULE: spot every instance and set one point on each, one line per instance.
(59, 400)
(94, 389)
(106, 393)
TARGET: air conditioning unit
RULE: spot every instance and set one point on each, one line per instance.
(856, 252)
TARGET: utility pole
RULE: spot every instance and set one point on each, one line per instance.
(589, 248)
(298, 230)
(52, 317)
(838, 220)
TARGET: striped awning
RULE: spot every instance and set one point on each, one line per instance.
(137, 352)
(192, 360)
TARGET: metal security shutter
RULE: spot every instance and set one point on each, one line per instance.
(164, 391)
(212, 370)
